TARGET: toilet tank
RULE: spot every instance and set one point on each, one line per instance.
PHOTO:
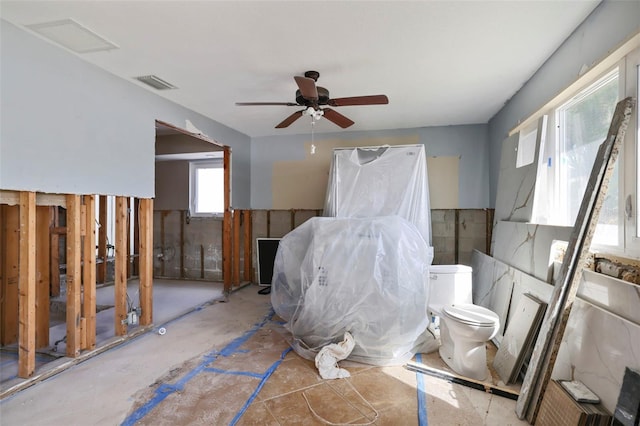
(448, 285)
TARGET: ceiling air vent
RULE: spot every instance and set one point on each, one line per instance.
(73, 35)
(155, 82)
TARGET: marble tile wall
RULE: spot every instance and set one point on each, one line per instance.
(596, 347)
(526, 246)
(497, 285)
(516, 185)
(614, 295)
(603, 332)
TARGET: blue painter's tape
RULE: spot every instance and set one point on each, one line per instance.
(234, 373)
(163, 391)
(422, 397)
(260, 385)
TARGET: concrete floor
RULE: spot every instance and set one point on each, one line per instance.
(229, 363)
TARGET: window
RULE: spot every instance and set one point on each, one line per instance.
(577, 129)
(582, 124)
(206, 187)
(577, 126)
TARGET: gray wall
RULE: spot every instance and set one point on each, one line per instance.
(608, 26)
(469, 142)
(69, 127)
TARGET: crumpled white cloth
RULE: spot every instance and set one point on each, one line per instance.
(328, 357)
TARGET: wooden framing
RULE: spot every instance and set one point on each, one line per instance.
(3, 250)
(26, 269)
(74, 276)
(548, 343)
(236, 247)
(27, 286)
(146, 261)
(182, 254)
(136, 237)
(10, 274)
(89, 274)
(248, 245)
(54, 259)
(226, 223)
(101, 272)
(43, 224)
(128, 242)
(121, 267)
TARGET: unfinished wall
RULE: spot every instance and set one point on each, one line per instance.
(56, 107)
(457, 233)
(187, 248)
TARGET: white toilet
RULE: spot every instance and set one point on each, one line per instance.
(464, 327)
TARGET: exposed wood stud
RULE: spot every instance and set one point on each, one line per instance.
(236, 247)
(73, 275)
(27, 286)
(182, 253)
(146, 261)
(54, 263)
(3, 249)
(248, 267)
(136, 236)
(226, 222)
(101, 271)
(43, 223)
(128, 237)
(10, 268)
(83, 333)
(489, 228)
(83, 220)
(89, 274)
(268, 223)
(162, 247)
(121, 261)
(456, 236)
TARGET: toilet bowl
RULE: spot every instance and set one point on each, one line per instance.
(464, 327)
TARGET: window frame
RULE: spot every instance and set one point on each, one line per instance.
(628, 160)
(194, 166)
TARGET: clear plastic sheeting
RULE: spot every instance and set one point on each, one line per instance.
(365, 276)
(380, 181)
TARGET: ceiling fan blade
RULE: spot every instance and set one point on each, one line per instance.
(307, 87)
(337, 118)
(290, 119)
(266, 103)
(359, 100)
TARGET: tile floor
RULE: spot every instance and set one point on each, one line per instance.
(228, 363)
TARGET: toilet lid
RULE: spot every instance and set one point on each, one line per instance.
(472, 315)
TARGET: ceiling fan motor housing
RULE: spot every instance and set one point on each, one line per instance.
(323, 97)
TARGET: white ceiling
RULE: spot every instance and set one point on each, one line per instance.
(439, 62)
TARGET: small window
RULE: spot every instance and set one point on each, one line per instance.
(206, 187)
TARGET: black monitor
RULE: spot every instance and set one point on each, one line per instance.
(266, 254)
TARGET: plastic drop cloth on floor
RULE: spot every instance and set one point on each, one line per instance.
(366, 276)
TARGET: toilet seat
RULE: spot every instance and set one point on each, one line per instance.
(477, 316)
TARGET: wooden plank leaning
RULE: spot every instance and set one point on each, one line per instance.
(555, 320)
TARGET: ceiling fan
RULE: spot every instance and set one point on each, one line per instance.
(313, 97)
